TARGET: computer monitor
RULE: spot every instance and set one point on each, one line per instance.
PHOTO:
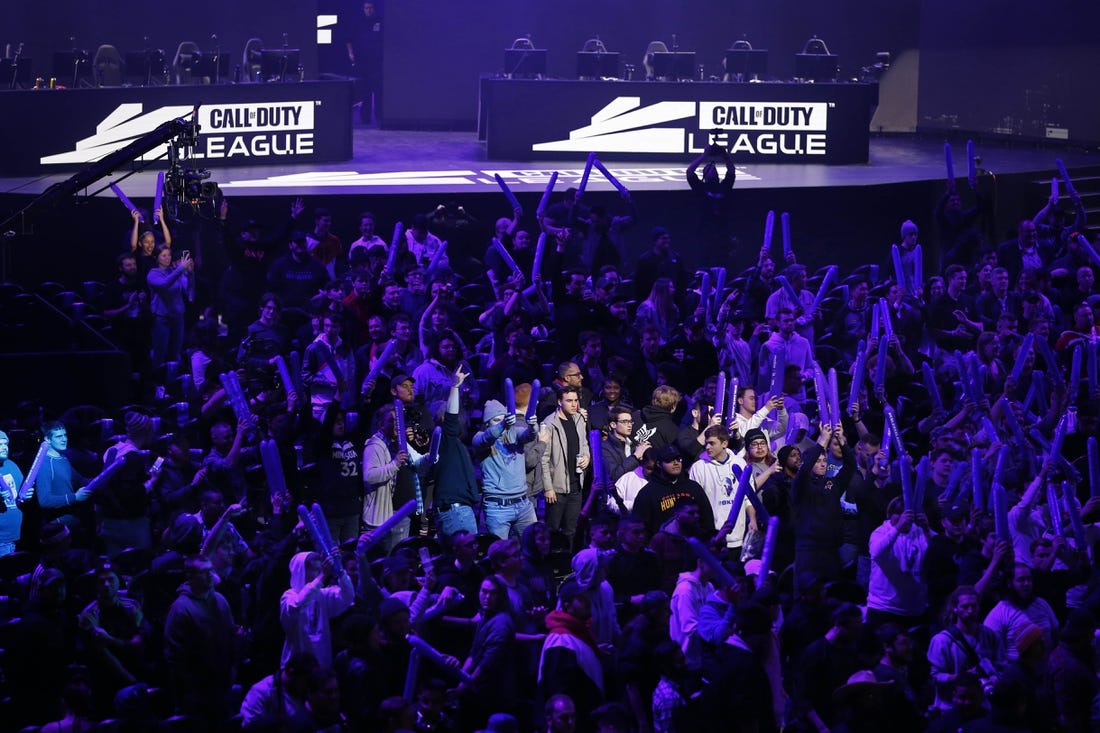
(746, 63)
(524, 63)
(145, 67)
(15, 73)
(215, 67)
(674, 64)
(279, 64)
(593, 65)
(816, 66)
(71, 68)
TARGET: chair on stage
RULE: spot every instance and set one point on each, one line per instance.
(594, 61)
(594, 45)
(815, 63)
(252, 58)
(523, 61)
(107, 66)
(743, 62)
(184, 62)
(647, 58)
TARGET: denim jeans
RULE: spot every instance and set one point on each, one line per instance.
(167, 339)
(459, 516)
(343, 528)
(398, 533)
(511, 520)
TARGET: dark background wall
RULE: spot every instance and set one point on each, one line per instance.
(435, 49)
(45, 27)
(1011, 68)
(985, 66)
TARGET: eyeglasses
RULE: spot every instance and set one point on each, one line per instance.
(677, 459)
(627, 420)
(572, 374)
(758, 444)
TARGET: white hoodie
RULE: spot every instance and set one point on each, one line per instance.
(720, 485)
(305, 610)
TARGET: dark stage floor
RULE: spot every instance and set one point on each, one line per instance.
(398, 161)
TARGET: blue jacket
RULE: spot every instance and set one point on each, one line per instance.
(503, 471)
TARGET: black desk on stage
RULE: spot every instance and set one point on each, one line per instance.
(671, 121)
(56, 130)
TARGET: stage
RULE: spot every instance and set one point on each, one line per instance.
(389, 162)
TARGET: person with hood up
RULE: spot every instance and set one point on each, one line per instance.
(570, 660)
(692, 590)
(590, 573)
(816, 509)
(306, 609)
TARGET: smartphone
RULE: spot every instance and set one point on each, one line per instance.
(425, 557)
(186, 254)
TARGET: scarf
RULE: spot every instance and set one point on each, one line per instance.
(560, 622)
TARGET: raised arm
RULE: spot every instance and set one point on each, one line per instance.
(134, 232)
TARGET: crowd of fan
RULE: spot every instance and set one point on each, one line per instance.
(554, 575)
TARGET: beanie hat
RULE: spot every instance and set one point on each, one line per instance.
(493, 409)
(908, 227)
(754, 434)
(138, 424)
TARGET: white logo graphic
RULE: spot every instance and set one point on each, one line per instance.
(267, 129)
(759, 128)
(614, 129)
(644, 433)
(276, 116)
(324, 29)
(809, 116)
(116, 131)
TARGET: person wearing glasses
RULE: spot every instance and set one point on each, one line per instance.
(569, 374)
(621, 453)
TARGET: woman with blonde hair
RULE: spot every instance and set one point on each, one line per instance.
(659, 309)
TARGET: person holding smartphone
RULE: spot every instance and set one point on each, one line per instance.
(169, 286)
